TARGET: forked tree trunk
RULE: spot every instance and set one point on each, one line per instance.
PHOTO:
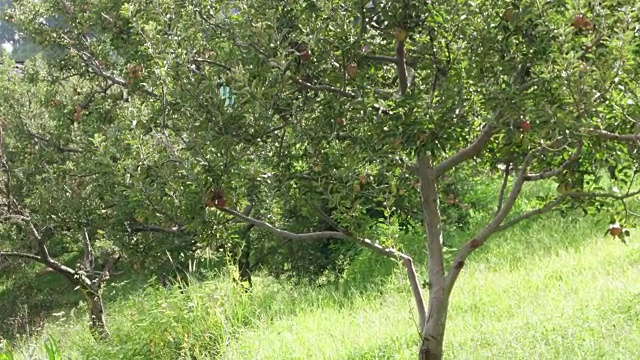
(97, 323)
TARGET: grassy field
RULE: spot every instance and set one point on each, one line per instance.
(552, 289)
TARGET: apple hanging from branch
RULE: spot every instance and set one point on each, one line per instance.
(617, 230)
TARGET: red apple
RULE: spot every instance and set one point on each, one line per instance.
(305, 54)
(352, 70)
(581, 22)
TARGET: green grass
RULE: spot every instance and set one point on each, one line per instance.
(552, 288)
(560, 302)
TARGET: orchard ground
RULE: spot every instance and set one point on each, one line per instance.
(554, 288)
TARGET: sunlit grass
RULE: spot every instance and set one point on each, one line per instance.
(559, 302)
(553, 288)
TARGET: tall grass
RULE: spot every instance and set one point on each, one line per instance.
(554, 288)
(551, 288)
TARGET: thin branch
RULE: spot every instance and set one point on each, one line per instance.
(551, 173)
(539, 211)
(613, 136)
(85, 104)
(603, 195)
(587, 48)
(95, 68)
(59, 148)
(382, 58)
(386, 251)
(33, 257)
(468, 152)
(17, 218)
(212, 62)
(139, 228)
(283, 233)
(401, 67)
(326, 88)
(503, 188)
(558, 200)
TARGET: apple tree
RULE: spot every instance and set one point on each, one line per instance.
(335, 105)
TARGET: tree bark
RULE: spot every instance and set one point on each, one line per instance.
(244, 260)
(432, 345)
(433, 331)
(97, 322)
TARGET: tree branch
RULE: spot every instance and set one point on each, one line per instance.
(496, 224)
(33, 257)
(106, 271)
(491, 228)
(604, 195)
(95, 68)
(89, 256)
(613, 136)
(382, 58)
(326, 88)
(401, 67)
(468, 152)
(212, 62)
(343, 235)
(60, 148)
(139, 228)
(551, 173)
(539, 211)
(283, 233)
(503, 188)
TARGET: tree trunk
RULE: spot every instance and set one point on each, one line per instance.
(97, 324)
(432, 345)
(432, 331)
(244, 261)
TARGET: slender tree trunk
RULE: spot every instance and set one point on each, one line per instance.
(432, 332)
(244, 260)
(97, 324)
(432, 345)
